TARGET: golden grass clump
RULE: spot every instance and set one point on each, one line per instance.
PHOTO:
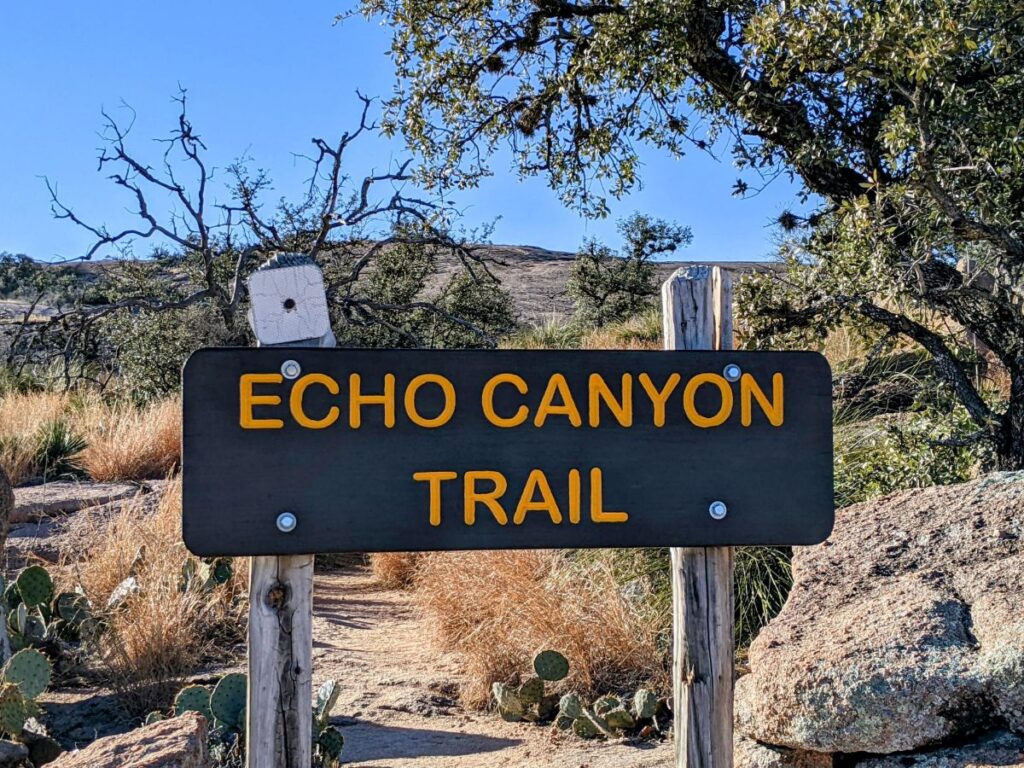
(394, 570)
(129, 443)
(21, 416)
(497, 608)
(162, 631)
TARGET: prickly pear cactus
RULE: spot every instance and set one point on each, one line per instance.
(645, 704)
(13, 712)
(571, 706)
(532, 691)
(606, 704)
(510, 706)
(619, 718)
(221, 571)
(155, 717)
(29, 670)
(35, 586)
(584, 728)
(193, 698)
(551, 666)
(326, 698)
(228, 699)
(547, 707)
(331, 742)
(73, 608)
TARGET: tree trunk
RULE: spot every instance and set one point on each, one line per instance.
(1010, 442)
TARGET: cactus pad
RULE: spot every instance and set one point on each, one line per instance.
(619, 718)
(193, 698)
(29, 670)
(606, 704)
(584, 728)
(532, 691)
(508, 700)
(326, 698)
(155, 717)
(564, 723)
(35, 586)
(571, 706)
(11, 595)
(331, 742)
(73, 608)
(645, 704)
(551, 666)
(222, 570)
(228, 699)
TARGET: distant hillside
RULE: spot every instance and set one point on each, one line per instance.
(535, 277)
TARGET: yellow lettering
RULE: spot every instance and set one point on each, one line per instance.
(434, 480)
(537, 482)
(659, 397)
(487, 400)
(574, 496)
(749, 390)
(299, 391)
(357, 400)
(247, 400)
(557, 385)
(621, 409)
(449, 400)
(690, 393)
(597, 511)
(472, 496)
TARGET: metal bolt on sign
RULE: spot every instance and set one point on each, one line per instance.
(286, 522)
(732, 372)
(718, 510)
(290, 369)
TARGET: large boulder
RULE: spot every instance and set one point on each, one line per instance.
(904, 629)
(60, 497)
(1000, 748)
(179, 742)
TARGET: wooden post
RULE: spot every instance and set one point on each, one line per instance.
(289, 308)
(697, 314)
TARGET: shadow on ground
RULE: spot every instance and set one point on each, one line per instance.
(366, 741)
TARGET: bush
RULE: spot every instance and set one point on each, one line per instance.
(607, 286)
(497, 608)
(129, 443)
(159, 624)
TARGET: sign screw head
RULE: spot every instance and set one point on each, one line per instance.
(286, 522)
(290, 369)
(718, 510)
(732, 372)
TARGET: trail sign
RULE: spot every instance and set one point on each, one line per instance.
(302, 450)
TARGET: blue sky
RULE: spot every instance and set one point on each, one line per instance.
(263, 79)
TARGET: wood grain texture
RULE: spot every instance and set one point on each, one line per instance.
(288, 306)
(279, 728)
(697, 311)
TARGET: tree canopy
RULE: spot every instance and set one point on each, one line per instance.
(902, 119)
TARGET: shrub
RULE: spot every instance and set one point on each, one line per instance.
(159, 625)
(23, 436)
(497, 608)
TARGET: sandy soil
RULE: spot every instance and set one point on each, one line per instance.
(398, 705)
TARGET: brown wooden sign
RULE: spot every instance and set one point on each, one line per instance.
(302, 450)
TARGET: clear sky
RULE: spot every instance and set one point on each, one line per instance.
(263, 79)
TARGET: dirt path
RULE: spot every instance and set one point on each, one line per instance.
(398, 705)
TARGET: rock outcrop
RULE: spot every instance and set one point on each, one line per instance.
(904, 630)
(179, 742)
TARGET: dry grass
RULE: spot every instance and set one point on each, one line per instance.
(21, 416)
(394, 570)
(162, 632)
(123, 442)
(498, 608)
(127, 443)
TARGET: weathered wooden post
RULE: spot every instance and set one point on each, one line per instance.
(289, 308)
(697, 314)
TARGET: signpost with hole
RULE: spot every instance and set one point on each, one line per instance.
(297, 448)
